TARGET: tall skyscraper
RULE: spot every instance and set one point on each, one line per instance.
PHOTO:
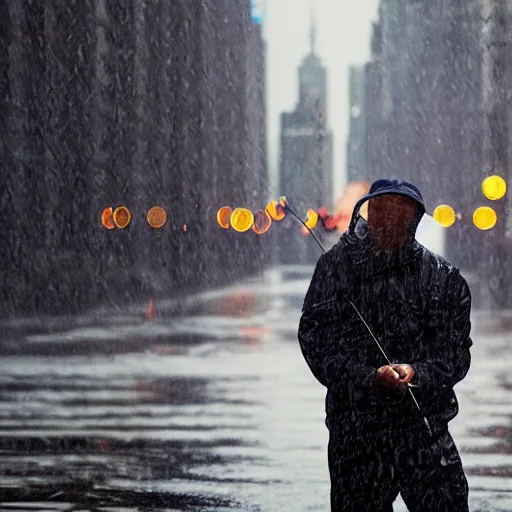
(305, 164)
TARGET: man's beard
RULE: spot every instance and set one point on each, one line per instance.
(388, 251)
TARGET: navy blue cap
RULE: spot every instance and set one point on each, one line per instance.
(386, 186)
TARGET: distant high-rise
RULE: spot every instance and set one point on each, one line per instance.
(305, 165)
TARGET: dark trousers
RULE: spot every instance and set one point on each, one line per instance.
(368, 477)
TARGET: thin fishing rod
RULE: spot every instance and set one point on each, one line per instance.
(349, 301)
(409, 385)
(306, 226)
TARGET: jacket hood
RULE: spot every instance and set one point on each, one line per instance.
(385, 186)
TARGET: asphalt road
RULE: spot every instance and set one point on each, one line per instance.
(209, 405)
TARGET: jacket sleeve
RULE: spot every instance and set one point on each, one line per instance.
(328, 347)
(452, 362)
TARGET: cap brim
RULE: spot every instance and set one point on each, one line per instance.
(382, 192)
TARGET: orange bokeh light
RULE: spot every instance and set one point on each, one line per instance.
(329, 222)
(354, 191)
(106, 218)
(224, 216)
(156, 217)
(262, 222)
(311, 221)
(122, 216)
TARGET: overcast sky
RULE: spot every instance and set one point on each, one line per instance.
(343, 38)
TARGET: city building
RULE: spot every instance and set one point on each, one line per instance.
(110, 103)
(422, 97)
(305, 163)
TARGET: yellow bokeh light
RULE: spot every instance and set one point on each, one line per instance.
(156, 217)
(494, 187)
(276, 211)
(311, 219)
(242, 219)
(485, 218)
(445, 215)
(122, 217)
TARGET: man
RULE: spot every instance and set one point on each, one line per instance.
(418, 306)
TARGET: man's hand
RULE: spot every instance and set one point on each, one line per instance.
(395, 375)
(405, 371)
(387, 376)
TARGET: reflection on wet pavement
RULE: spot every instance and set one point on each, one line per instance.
(209, 406)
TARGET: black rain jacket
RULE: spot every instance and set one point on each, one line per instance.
(419, 310)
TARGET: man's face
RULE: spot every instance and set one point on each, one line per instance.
(390, 220)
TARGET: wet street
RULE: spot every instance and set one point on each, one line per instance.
(208, 405)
